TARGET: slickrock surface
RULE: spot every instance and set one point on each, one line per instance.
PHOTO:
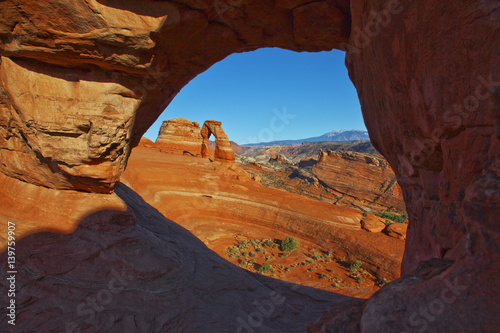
(360, 180)
(180, 136)
(217, 201)
(82, 80)
(36, 209)
(137, 271)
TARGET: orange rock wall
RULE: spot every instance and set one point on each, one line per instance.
(362, 181)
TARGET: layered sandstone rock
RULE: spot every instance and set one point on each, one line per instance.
(180, 136)
(360, 180)
(441, 141)
(101, 72)
(213, 200)
(223, 150)
(136, 271)
(145, 142)
(104, 71)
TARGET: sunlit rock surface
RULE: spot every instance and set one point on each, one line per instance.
(81, 81)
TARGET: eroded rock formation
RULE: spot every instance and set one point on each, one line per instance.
(427, 76)
(223, 150)
(360, 180)
(180, 136)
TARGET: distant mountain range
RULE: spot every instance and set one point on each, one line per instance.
(342, 135)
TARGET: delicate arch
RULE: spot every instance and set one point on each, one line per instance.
(223, 150)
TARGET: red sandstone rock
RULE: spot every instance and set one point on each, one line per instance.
(373, 223)
(397, 230)
(359, 179)
(145, 142)
(102, 72)
(203, 196)
(279, 158)
(180, 136)
(135, 270)
(223, 150)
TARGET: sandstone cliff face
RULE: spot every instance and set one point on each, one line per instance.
(180, 136)
(425, 72)
(105, 71)
(360, 180)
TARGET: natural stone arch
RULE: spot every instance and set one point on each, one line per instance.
(223, 150)
(426, 73)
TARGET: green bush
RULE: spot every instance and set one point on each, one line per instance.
(289, 244)
(265, 268)
(267, 243)
(317, 256)
(233, 252)
(393, 217)
(355, 265)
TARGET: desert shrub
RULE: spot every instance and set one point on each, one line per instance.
(242, 245)
(317, 255)
(382, 281)
(284, 254)
(336, 282)
(267, 243)
(289, 244)
(393, 217)
(245, 254)
(233, 252)
(359, 279)
(253, 254)
(355, 265)
(265, 268)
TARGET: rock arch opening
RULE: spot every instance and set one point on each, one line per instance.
(432, 114)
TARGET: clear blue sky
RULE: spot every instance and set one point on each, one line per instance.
(271, 94)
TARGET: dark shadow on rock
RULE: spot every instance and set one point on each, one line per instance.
(137, 271)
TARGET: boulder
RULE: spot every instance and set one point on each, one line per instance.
(397, 230)
(373, 223)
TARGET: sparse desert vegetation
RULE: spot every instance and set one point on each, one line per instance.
(287, 260)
